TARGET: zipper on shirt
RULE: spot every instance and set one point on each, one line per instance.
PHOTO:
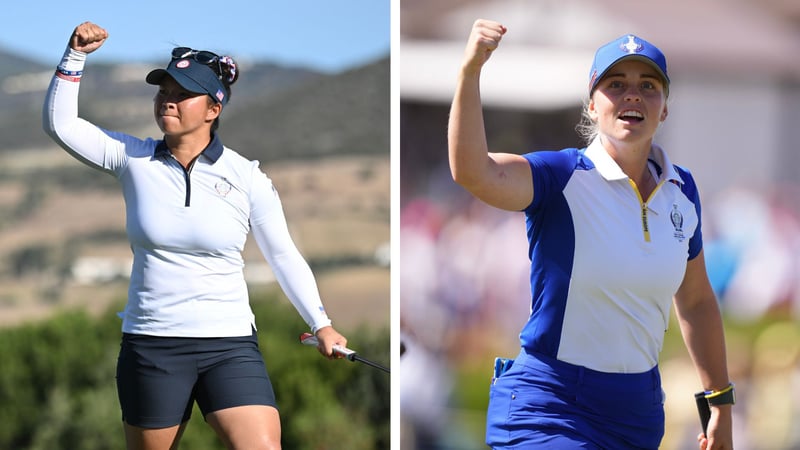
(643, 206)
(187, 177)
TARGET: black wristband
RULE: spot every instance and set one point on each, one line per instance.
(725, 396)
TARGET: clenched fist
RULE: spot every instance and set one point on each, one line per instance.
(484, 38)
(87, 37)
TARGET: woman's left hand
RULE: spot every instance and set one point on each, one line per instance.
(720, 430)
(327, 337)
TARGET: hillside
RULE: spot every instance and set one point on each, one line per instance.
(14, 64)
(323, 139)
(275, 112)
(346, 114)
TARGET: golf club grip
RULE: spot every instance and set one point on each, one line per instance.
(344, 351)
(310, 339)
(703, 410)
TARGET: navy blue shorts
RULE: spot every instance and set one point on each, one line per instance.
(541, 402)
(160, 378)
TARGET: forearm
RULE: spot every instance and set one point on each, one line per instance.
(61, 101)
(292, 271)
(297, 281)
(702, 330)
(703, 333)
(466, 135)
(60, 120)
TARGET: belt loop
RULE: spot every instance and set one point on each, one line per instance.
(658, 392)
(656, 377)
(579, 385)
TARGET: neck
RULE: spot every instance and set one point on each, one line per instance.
(185, 148)
(631, 157)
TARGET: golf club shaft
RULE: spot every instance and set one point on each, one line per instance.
(368, 362)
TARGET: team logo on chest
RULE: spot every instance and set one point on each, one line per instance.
(223, 187)
(677, 223)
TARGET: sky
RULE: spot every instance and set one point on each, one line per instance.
(326, 35)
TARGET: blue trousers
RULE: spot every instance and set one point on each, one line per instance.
(541, 402)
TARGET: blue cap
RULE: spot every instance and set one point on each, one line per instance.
(627, 47)
(192, 76)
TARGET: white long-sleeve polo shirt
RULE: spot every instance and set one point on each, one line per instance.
(187, 228)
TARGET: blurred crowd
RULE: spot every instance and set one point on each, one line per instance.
(464, 296)
(753, 251)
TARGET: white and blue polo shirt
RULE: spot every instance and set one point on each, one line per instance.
(187, 227)
(606, 263)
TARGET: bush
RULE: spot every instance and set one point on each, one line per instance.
(57, 385)
(53, 375)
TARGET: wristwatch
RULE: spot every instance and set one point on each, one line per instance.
(725, 396)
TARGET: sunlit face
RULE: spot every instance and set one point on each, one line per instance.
(179, 112)
(629, 102)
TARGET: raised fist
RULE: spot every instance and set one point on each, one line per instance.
(87, 37)
(484, 38)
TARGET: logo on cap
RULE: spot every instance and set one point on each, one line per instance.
(631, 46)
(182, 64)
(220, 95)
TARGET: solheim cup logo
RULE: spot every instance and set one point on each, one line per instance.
(677, 223)
(223, 187)
(631, 46)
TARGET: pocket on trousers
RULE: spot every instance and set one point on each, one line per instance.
(498, 414)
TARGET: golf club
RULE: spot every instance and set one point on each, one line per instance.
(351, 355)
(703, 410)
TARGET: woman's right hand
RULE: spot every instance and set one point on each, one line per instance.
(87, 37)
(483, 40)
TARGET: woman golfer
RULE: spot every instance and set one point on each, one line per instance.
(614, 233)
(188, 329)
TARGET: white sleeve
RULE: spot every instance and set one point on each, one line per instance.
(83, 140)
(293, 273)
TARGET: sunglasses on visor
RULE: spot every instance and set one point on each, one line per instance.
(202, 56)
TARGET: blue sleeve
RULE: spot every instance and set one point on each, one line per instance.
(689, 189)
(550, 170)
